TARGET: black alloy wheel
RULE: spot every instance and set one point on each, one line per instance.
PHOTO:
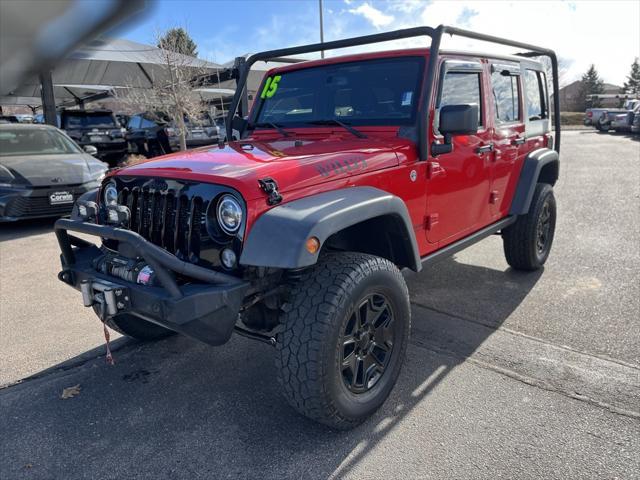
(543, 229)
(367, 343)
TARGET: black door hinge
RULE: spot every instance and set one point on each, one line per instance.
(270, 187)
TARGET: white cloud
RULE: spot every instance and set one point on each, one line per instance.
(572, 29)
(373, 15)
(582, 32)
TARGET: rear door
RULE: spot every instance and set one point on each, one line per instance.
(458, 182)
(508, 134)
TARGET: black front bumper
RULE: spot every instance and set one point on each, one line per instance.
(205, 309)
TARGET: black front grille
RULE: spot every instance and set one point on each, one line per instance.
(168, 219)
(172, 214)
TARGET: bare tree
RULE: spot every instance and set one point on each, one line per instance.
(171, 93)
(563, 69)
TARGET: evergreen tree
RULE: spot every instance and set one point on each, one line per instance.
(178, 40)
(632, 85)
(590, 84)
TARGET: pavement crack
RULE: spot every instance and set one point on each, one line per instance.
(531, 381)
(567, 348)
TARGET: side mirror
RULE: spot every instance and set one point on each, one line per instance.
(455, 120)
(91, 150)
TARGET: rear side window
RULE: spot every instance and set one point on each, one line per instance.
(535, 95)
(505, 94)
(462, 87)
(134, 122)
(146, 123)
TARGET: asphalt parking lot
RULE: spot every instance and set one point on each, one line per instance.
(509, 375)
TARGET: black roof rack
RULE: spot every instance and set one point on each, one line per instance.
(436, 36)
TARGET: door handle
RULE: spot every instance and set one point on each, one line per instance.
(519, 141)
(485, 148)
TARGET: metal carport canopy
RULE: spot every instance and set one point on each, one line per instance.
(64, 94)
(110, 64)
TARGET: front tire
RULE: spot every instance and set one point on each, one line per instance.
(343, 338)
(527, 243)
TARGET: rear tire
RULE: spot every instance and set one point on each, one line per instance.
(527, 243)
(135, 327)
(343, 339)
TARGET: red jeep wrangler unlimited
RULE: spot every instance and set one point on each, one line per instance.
(348, 170)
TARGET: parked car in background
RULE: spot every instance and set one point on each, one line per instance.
(592, 115)
(599, 117)
(221, 123)
(622, 122)
(25, 118)
(149, 135)
(635, 125)
(122, 119)
(9, 119)
(201, 131)
(98, 128)
(43, 172)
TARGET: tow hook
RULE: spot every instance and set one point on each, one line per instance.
(270, 187)
(109, 299)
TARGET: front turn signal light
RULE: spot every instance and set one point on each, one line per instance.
(313, 245)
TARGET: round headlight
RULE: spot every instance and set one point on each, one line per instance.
(229, 214)
(110, 194)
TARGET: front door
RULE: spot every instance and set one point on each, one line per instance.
(458, 182)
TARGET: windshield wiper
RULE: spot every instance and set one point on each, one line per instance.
(333, 121)
(280, 130)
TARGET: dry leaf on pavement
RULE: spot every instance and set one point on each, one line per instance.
(70, 392)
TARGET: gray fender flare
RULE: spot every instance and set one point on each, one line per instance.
(278, 237)
(533, 165)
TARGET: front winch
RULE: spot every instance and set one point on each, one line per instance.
(132, 270)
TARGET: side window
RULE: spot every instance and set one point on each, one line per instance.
(505, 94)
(146, 123)
(134, 122)
(462, 87)
(535, 95)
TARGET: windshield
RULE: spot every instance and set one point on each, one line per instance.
(37, 141)
(88, 121)
(368, 92)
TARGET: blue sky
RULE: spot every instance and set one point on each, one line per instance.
(224, 29)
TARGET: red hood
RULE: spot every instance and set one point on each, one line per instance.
(241, 164)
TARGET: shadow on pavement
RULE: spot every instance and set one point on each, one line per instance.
(627, 134)
(25, 228)
(180, 409)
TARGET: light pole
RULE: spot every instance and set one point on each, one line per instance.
(321, 28)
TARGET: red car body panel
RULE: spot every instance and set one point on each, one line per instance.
(447, 197)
